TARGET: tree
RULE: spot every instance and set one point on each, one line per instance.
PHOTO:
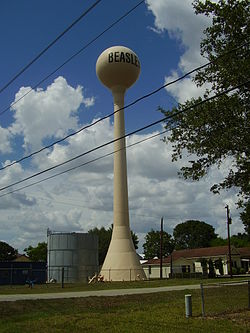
(135, 239)
(245, 217)
(219, 265)
(7, 252)
(104, 238)
(219, 128)
(193, 234)
(239, 240)
(203, 262)
(37, 253)
(152, 245)
(219, 241)
(211, 270)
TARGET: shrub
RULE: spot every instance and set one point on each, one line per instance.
(211, 273)
(219, 265)
(242, 271)
(234, 270)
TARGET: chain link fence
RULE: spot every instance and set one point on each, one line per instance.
(131, 274)
(22, 275)
(214, 299)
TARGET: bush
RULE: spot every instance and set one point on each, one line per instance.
(211, 273)
(234, 271)
(219, 265)
(242, 271)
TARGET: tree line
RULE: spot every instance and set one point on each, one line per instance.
(187, 235)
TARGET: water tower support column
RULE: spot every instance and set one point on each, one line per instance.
(120, 204)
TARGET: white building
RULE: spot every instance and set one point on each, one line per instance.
(188, 262)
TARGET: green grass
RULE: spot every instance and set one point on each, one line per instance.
(161, 312)
(53, 288)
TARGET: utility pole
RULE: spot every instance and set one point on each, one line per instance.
(229, 221)
(161, 245)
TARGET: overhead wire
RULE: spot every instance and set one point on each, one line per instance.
(50, 45)
(73, 56)
(101, 208)
(128, 134)
(112, 113)
(87, 205)
(85, 163)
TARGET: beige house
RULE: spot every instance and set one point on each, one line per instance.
(22, 258)
(186, 262)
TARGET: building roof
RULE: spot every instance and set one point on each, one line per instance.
(244, 252)
(22, 257)
(205, 252)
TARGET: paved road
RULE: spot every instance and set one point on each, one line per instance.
(116, 292)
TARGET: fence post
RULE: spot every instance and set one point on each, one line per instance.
(62, 277)
(248, 284)
(188, 305)
(11, 274)
(202, 301)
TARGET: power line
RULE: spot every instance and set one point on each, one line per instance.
(111, 114)
(100, 208)
(126, 135)
(73, 56)
(90, 125)
(85, 163)
(49, 46)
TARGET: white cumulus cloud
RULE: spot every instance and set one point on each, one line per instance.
(181, 23)
(82, 199)
(5, 136)
(47, 113)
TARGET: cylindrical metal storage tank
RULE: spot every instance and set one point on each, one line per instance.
(74, 253)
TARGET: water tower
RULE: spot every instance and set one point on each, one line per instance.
(118, 68)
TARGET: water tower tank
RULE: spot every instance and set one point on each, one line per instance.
(76, 253)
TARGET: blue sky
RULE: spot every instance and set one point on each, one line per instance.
(165, 34)
(33, 27)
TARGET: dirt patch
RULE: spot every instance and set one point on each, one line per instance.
(240, 317)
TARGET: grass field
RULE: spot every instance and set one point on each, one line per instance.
(226, 310)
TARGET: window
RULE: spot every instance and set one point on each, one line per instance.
(185, 268)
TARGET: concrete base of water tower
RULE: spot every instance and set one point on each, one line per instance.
(122, 262)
